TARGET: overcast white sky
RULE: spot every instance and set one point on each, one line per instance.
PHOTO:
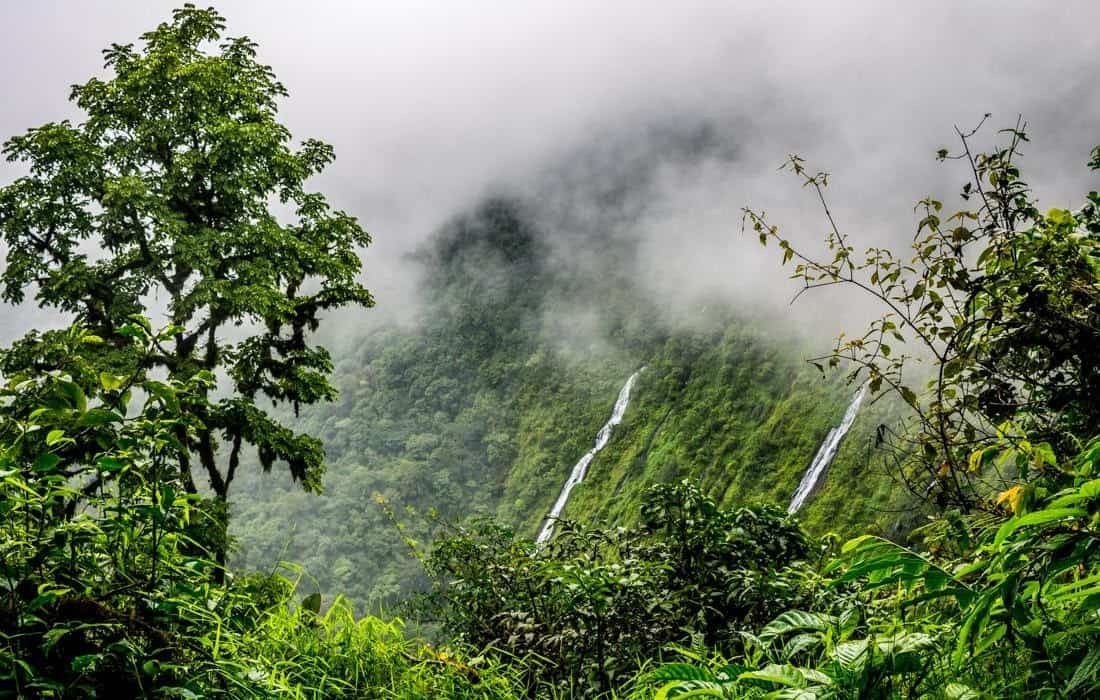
(429, 104)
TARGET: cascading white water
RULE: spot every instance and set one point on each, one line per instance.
(826, 453)
(581, 468)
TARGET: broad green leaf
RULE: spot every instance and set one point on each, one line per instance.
(111, 382)
(958, 691)
(782, 674)
(795, 620)
(1041, 517)
(1091, 489)
(682, 672)
(852, 656)
(684, 689)
(794, 694)
(800, 643)
(99, 416)
(75, 395)
(45, 462)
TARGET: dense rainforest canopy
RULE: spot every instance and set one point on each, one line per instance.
(175, 227)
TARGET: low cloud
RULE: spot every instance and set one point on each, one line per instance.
(433, 105)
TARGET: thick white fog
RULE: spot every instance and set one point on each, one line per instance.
(431, 104)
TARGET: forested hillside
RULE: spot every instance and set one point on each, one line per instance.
(483, 407)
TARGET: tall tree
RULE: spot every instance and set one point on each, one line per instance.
(181, 188)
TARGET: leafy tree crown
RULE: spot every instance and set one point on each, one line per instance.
(182, 188)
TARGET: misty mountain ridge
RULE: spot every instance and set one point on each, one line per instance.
(485, 403)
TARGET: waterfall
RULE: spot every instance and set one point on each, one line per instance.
(581, 468)
(826, 453)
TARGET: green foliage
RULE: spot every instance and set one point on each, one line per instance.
(171, 180)
(1014, 616)
(1002, 601)
(105, 585)
(582, 613)
(96, 528)
(1000, 299)
(307, 653)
